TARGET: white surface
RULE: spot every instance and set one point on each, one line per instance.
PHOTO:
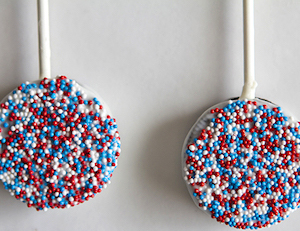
(158, 65)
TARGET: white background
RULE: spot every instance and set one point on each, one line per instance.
(158, 64)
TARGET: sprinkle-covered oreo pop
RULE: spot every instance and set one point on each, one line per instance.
(241, 163)
(59, 145)
(241, 158)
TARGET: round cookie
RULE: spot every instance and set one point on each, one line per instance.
(241, 163)
(59, 147)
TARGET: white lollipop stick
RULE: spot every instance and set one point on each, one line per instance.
(44, 38)
(249, 73)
